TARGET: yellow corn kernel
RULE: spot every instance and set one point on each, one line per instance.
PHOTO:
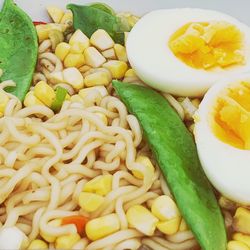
(93, 57)
(130, 73)
(56, 77)
(43, 30)
(241, 221)
(169, 227)
(67, 241)
(55, 13)
(76, 98)
(96, 79)
(183, 226)
(236, 245)
(37, 245)
(109, 54)
(145, 161)
(142, 219)
(90, 202)
(84, 69)
(102, 226)
(100, 185)
(74, 60)
(103, 117)
(62, 50)
(79, 38)
(67, 18)
(242, 238)
(31, 100)
(164, 208)
(3, 100)
(47, 237)
(44, 93)
(120, 52)
(101, 89)
(73, 77)
(101, 40)
(117, 68)
(77, 48)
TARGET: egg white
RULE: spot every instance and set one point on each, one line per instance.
(227, 167)
(155, 63)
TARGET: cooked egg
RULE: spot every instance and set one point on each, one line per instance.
(185, 51)
(222, 134)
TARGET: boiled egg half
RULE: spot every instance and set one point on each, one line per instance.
(185, 51)
(222, 134)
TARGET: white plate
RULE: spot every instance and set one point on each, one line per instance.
(237, 8)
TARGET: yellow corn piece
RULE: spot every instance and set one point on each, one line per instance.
(84, 69)
(93, 57)
(73, 77)
(101, 184)
(164, 208)
(145, 161)
(55, 13)
(130, 73)
(101, 40)
(3, 100)
(236, 245)
(120, 52)
(109, 54)
(97, 79)
(67, 18)
(43, 30)
(103, 117)
(117, 68)
(241, 221)
(47, 237)
(44, 93)
(169, 227)
(183, 226)
(142, 219)
(67, 241)
(38, 244)
(77, 48)
(101, 89)
(74, 60)
(90, 202)
(102, 226)
(242, 238)
(31, 100)
(79, 38)
(62, 50)
(56, 77)
(76, 98)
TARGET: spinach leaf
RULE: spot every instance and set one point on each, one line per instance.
(104, 7)
(18, 48)
(89, 18)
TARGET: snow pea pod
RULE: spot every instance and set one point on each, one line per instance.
(175, 152)
(18, 48)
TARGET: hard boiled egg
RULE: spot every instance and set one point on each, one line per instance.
(185, 51)
(222, 134)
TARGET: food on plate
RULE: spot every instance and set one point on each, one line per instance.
(185, 51)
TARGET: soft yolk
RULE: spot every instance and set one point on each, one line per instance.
(207, 45)
(231, 117)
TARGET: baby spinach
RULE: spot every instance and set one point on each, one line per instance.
(18, 48)
(89, 18)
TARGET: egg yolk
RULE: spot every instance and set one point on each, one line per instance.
(208, 45)
(231, 117)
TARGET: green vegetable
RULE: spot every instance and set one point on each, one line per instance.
(59, 99)
(18, 48)
(103, 7)
(176, 154)
(90, 18)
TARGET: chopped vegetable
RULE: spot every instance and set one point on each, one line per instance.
(44, 93)
(236, 245)
(38, 244)
(242, 238)
(169, 227)
(241, 222)
(67, 241)
(90, 202)
(78, 221)
(59, 99)
(103, 7)
(175, 152)
(38, 23)
(18, 48)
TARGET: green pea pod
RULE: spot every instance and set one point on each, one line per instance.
(18, 48)
(59, 99)
(175, 152)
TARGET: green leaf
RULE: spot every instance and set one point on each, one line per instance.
(103, 7)
(60, 97)
(18, 48)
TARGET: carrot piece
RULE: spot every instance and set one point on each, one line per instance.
(38, 23)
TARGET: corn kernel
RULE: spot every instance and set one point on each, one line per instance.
(90, 202)
(73, 77)
(77, 48)
(55, 13)
(56, 77)
(101, 89)
(62, 50)
(145, 161)
(241, 221)
(100, 185)
(96, 79)
(242, 238)
(109, 54)
(101, 40)
(103, 117)
(67, 18)
(183, 226)
(236, 245)
(67, 241)
(79, 37)
(44, 93)
(117, 68)
(164, 208)
(74, 60)
(169, 227)
(47, 237)
(76, 98)
(37, 245)
(120, 52)
(130, 73)
(3, 100)
(142, 219)
(30, 100)
(102, 226)
(93, 57)
(84, 69)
